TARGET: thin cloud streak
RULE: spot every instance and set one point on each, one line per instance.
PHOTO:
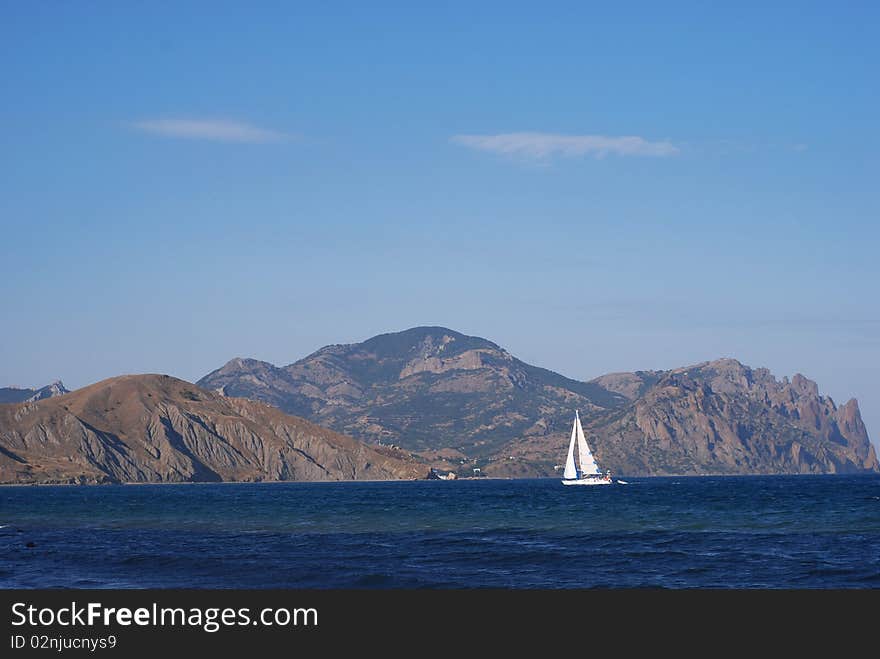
(543, 146)
(215, 130)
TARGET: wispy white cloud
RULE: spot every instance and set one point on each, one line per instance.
(543, 146)
(217, 130)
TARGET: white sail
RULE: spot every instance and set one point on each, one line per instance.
(589, 473)
(585, 457)
(570, 470)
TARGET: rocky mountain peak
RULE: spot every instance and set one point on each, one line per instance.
(21, 394)
(239, 364)
(427, 387)
(804, 386)
(726, 364)
(56, 388)
(423, 341)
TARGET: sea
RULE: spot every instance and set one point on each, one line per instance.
(786, 532)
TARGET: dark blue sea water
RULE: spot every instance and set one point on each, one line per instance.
(753, 532)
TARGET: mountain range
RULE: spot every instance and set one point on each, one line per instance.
(398, 404)
(462, 401)
(155, 428)
(20, 395)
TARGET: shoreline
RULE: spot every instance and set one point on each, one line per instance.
(428, 480)
(383, 480)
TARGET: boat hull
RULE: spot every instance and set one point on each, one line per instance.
(586, 481)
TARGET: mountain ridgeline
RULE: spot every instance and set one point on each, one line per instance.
(22, 395)
(461, 401)
(427, 389)
(155, 428)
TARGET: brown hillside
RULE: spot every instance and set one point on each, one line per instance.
(155, 428)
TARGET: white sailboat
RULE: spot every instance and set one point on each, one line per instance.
(589, 472)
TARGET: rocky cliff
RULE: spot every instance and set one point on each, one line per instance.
(154, 428)
(721, 417)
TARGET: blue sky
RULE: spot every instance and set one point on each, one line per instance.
(596, 189)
